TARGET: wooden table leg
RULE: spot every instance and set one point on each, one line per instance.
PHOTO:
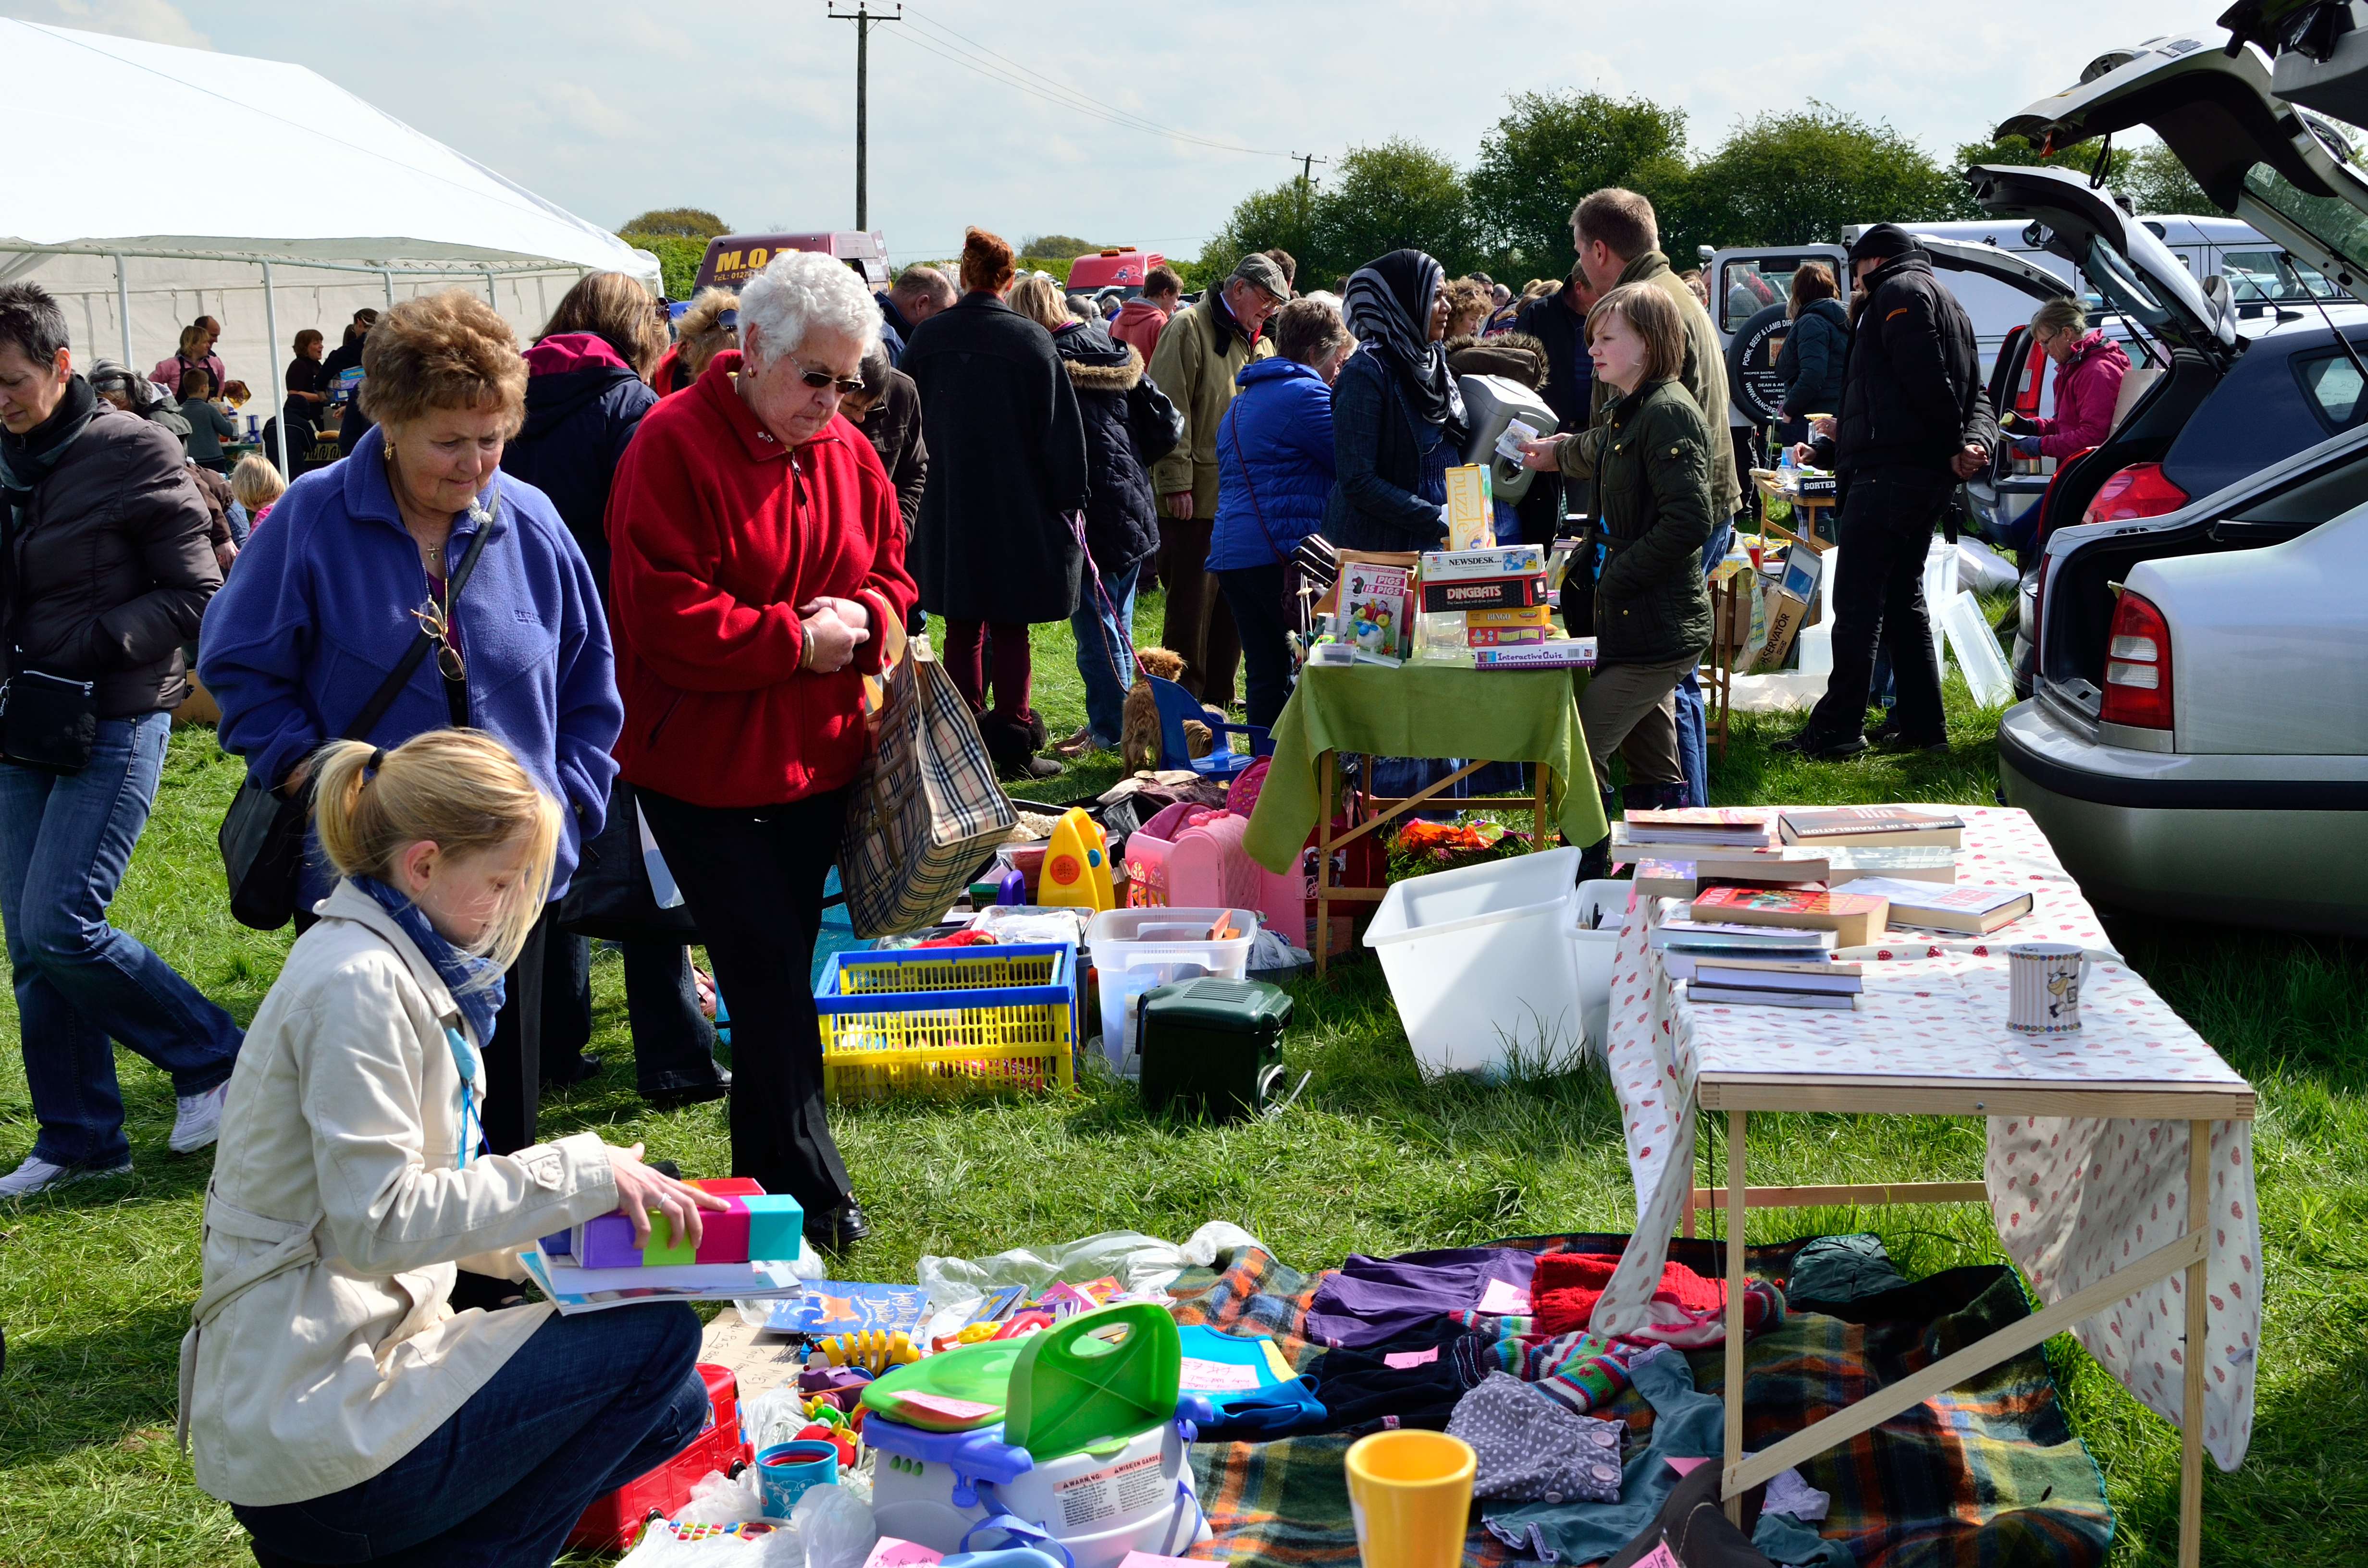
(2197, 1351)
(1324, 861)
(1538, 827)
(1735, 1124)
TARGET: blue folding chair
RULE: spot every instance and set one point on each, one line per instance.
(1176, 705)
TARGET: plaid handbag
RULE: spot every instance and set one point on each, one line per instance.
(926, 810)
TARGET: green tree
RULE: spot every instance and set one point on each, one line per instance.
(1397, 196)
(1262, 221)
(678, 257)
(689, 222)
(1800, 176)
(1550, 149)
(2081, 158)
(1065, 246)
(2159, 182)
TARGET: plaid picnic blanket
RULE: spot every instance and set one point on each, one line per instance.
(1988, 1475)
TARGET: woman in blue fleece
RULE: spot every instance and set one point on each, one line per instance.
(359, 561)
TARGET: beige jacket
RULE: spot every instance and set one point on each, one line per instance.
(1199, 354)
(323, 1350)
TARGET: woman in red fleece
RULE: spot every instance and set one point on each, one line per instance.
(756, 553)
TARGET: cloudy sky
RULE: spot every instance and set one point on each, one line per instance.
(1033, 120)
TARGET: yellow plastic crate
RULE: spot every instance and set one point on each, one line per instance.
(949, 1021)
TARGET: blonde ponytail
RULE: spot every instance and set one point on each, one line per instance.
(460, 790)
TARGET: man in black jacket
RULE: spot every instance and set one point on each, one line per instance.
(1914, 422)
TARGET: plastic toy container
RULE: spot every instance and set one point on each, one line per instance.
(1481, 963)
(613, 1520)
(1135, 950)
(1593, 945)
(949, 1020)
(1172, 860)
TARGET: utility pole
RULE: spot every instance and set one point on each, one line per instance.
(1307, 161)
(864, 18)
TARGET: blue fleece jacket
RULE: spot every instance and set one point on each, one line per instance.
(319, 611)
(1280, 426)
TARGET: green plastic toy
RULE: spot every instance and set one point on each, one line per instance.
(1093, 1381)
(978, 1375)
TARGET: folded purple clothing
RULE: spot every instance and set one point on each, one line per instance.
(1369, 1300)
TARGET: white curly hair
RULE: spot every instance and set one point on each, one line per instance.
(801, 290)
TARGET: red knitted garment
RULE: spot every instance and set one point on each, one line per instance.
(1567, 1286)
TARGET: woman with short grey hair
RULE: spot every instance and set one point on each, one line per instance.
(2088, 372)
(757, 558)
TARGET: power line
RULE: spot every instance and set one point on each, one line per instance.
(962, 49)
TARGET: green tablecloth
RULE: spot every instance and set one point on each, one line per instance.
(1430, 710)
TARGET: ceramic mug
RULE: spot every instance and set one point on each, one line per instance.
(786, 1471)
(2043, 980)
(1410, 1493)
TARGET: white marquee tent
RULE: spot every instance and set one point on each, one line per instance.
(360, 210)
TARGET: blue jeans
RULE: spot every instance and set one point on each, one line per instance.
(585, 1405)
(1693, 719)
(64, 842)
(1105, 641)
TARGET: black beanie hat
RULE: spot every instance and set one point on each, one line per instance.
(1881, 242)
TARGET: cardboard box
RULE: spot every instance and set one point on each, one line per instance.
(1789, 605)
(1504, 561)
(1541, 616)
(1555, 654)
(1485, 592)
(1470, 519)
(1330, 603)
(1505, 636)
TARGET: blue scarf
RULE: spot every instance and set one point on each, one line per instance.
(476, 984)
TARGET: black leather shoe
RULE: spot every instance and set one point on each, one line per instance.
(572, 1073)
(840, 1228)
(1820, 748)
(1892, 740)
(695, 1094)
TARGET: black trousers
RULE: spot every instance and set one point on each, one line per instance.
(1878, 595)
(1253, 594)
(753, 876)
(674, 1045)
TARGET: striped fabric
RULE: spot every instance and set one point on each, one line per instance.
(926, 811)
(1988, 1475)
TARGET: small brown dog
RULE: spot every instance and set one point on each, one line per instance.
(1138, 734)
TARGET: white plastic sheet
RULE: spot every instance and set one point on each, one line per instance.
(1976, 648)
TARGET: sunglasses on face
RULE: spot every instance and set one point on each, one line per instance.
(849, 386)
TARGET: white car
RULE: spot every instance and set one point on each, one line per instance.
(2196, 743)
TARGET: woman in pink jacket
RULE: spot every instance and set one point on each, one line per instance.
(2088, 372)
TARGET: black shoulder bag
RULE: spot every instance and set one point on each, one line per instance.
(262, 836)
(48, 721)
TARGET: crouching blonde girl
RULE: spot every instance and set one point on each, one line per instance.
(336, 1398)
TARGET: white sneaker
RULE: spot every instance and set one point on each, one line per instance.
(37, 1174)
(197, 1119)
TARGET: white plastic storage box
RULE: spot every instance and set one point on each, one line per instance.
(1481, 963)
(1602, 910)
(1135, 950)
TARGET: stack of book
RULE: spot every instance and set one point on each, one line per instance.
(1690, 828)
(1686, 944)
(1875, 826)
(1973, 909)
(1671, 878)
(1774, 982)
(1855, 919)
(1481, 600)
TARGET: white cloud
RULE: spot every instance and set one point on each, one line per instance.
(157, 21)
(610, 107)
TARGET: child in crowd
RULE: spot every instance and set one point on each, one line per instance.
(258, 487)
(338, 1400)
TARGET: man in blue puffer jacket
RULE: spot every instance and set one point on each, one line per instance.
(1274, 476)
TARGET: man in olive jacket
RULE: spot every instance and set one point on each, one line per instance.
(1200, 351)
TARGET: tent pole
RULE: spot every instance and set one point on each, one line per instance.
(492, 298)
(387, 279)
(123, 308)
(271, 331)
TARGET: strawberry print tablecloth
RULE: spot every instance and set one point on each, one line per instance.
(2073, 1197)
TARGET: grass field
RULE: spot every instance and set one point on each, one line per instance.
(96, 1282)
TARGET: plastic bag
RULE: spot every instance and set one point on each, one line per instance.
(660, 1548)
(837, 1528)
(775, 1416)
(720, 1499)
(1144, 1265)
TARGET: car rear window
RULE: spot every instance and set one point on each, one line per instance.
(2332, 386)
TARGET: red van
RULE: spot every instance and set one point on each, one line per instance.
(1121, 268)
(732, 259)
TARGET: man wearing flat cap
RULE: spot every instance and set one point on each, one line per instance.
(1200, 351)
(1915, 423)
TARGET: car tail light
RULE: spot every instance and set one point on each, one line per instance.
(2137, 665)
(2138, 490)
(2034, 376)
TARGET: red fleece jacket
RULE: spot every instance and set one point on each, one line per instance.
(718, 533)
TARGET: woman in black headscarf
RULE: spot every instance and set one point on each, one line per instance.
(1398, 420)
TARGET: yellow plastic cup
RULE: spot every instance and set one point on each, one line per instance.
(1411, 1493)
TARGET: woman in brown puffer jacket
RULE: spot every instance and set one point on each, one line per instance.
(110, 569)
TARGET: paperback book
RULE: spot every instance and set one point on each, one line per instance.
(1855, 919)
(1712, 825)
(1683, 934)
(1731, 996)
(1879, 825)
(1971, 909)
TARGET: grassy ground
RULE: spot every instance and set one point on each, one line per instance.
(96, 1282)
